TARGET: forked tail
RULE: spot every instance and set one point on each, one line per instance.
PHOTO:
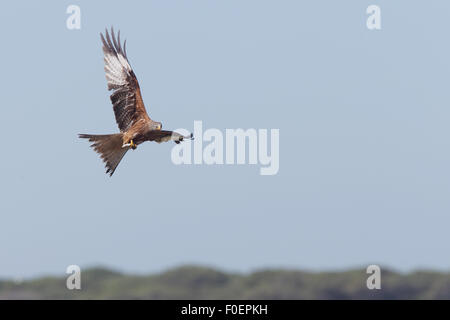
(109, 146)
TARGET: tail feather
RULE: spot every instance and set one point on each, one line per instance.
(109, 146)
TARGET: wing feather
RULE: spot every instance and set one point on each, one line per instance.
(126, 97)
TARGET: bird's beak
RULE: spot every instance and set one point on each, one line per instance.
(159, 127)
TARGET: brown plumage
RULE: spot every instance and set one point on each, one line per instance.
(132, 119)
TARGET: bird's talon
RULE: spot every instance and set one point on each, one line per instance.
(133, 145)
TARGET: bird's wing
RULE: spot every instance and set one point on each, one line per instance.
(126, 97)
(159, 135)
(164, 136)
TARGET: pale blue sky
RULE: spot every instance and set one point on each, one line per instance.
(364, 137)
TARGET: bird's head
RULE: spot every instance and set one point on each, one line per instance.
(156, 126)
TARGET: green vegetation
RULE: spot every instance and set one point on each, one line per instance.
(191, 282)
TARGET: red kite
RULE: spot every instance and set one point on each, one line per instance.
(134, 123)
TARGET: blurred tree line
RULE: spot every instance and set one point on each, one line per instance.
(193, 282)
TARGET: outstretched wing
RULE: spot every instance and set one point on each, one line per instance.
(164, 136)
(126, 97)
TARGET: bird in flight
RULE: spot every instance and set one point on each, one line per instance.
(134, 123)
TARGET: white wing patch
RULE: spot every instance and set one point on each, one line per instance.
(166, 138)
(117, 70)
(175, 136)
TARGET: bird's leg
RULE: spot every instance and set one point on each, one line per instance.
(130, 144)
